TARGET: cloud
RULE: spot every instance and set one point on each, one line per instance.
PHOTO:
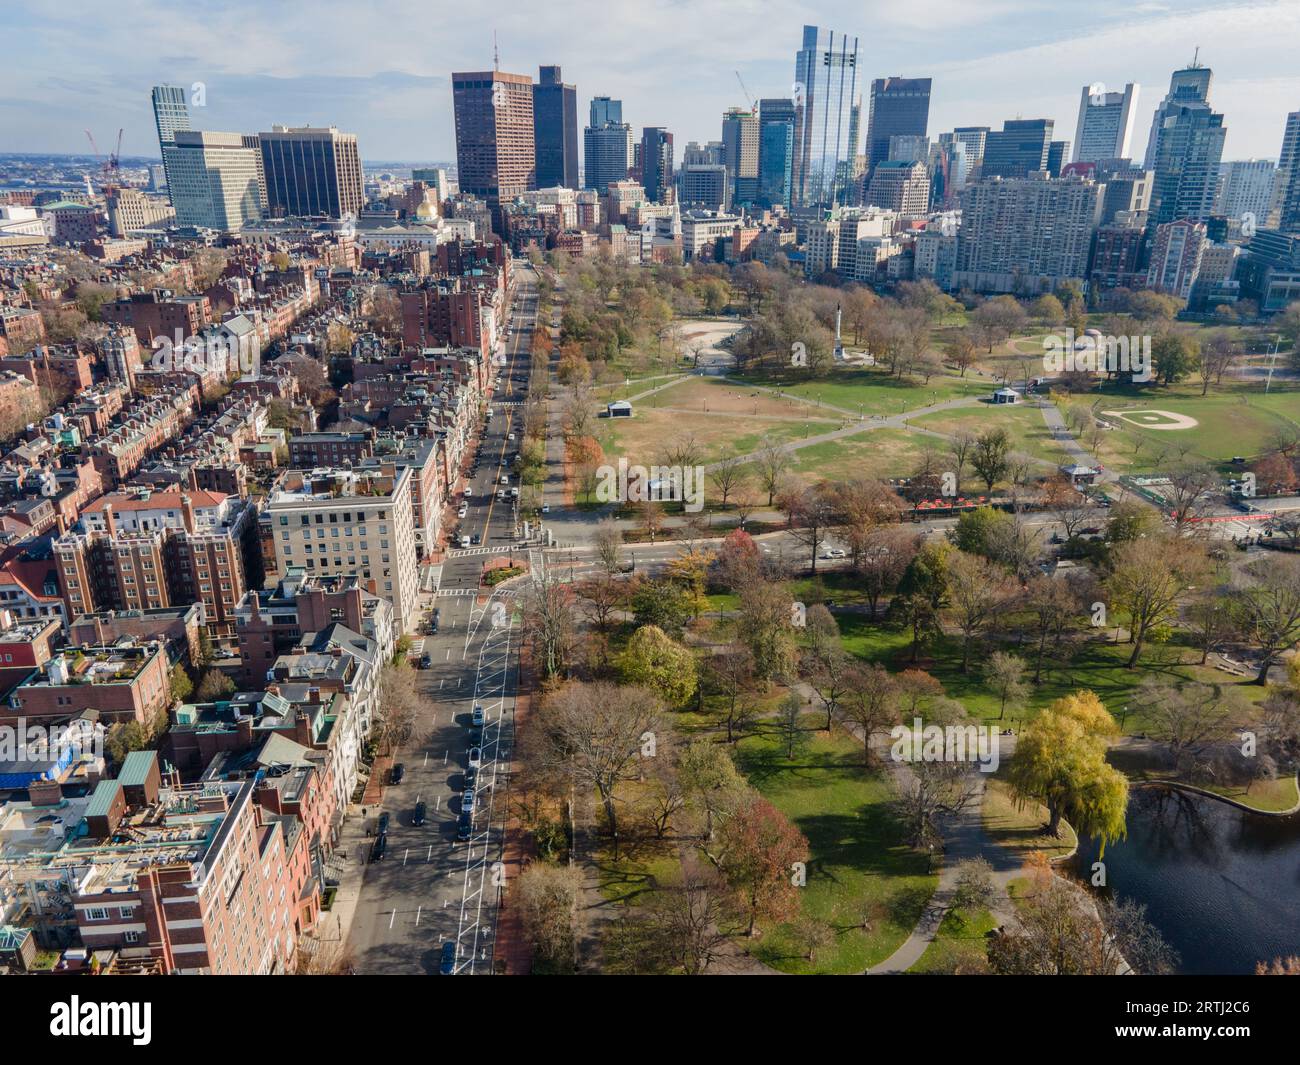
(383, 73)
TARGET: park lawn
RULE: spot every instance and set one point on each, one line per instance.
(715, 395)
(643, 437)
(872, 391)
(1098, 665)
(1023, 423)
(1017, 828)
(960, 942)
(1235, 421)
(859, 865)
(625, 389)
(641, 867)
(877, 453)
(1273, 796)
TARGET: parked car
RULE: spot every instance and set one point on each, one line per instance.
(471, 777)
(464, 826)
(476, 718)
(475, 757)
(379, 848)
(467, 801)
(381, 827)
(421, 812)
(396, 774)
(426, 662)
(447, 966)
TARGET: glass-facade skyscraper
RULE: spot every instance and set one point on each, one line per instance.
(776, 137)
(898, 107)
(826, 93)
(555, 130)
(171, 112)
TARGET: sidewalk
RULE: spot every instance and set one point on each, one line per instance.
(511, 954)
(347, 865)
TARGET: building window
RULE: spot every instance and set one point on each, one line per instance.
(96, 913)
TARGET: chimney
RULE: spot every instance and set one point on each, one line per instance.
(187, 513)
(108, 520)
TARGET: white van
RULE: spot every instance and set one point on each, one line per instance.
(464, 539)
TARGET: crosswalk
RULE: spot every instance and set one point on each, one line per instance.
(465, 552)
(504, 593)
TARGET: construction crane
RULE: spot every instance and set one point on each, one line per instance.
(108, 166)
(748, 99)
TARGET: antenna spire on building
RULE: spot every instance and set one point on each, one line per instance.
(496, 54)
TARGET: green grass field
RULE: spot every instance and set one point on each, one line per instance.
(860, 869)
(873, 391)
(1024, 424)
(1234, 421)
(1097, 665)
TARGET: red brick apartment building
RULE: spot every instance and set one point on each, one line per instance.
(204, 878)
(123, 683)
(144, 550)
(154, 314)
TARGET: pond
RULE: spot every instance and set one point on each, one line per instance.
(1222, 885)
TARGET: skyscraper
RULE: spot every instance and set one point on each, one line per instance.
(1019, 149)
(495, 150)
(656, 162)
(1189, 85)
(555, 130)
(1188, 140)
(899, 107)
(1025, 235)
(170, 113)
(1288, 178)
(1058, 153)
(974, 139)
(607, 145)
(740, 153)
(311, 171)
(605, 111)
(776, 139)
(1105, 128)
(826, 93)
(213, 179)
(1246, 188)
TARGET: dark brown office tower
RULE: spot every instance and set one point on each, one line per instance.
(495, 147)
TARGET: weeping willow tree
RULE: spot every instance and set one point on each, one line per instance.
(1060, 761)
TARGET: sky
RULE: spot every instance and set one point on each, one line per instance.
(382, 70)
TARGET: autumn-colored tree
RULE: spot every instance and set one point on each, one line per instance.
(656, 661)
(738, 561)
(1060, 761)
(1149, 578)
(977, 591)
(757, 852)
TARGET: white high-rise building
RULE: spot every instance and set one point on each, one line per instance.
(1105, 128)
(213, 179)
(1246, 188)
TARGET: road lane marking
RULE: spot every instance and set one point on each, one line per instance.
(391, 918)
(417, 916)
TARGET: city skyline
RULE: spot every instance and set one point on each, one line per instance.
(398, 99)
